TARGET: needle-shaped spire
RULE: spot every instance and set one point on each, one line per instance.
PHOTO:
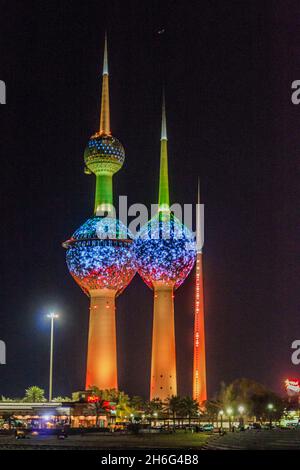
(198, 222)
(163, 198)
(105, 114)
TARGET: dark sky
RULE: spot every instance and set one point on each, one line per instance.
(228, 68)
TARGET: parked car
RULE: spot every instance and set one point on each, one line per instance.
(206, 428)
(254, 426)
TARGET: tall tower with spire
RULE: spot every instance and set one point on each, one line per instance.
(199, 365)
(100, 253)
(165, 255)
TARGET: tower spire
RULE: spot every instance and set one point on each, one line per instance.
(198, 222)
(105, 115)
(163, 197)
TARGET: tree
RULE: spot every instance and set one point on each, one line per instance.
(34, 394)
(123, 405)
(154, 406)
(6, 399)
(253, 396)
(137, 403)
(61, 399)
(212, 408)
(173, 406)
(189, 407)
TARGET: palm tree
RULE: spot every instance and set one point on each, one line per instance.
(34, 394)
(137, 403)
(189, 407)
(123, 405)
(173, 406)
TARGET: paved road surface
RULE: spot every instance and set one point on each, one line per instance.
(280, 439)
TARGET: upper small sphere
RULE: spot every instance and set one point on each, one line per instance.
(165, 251)
(104, 154)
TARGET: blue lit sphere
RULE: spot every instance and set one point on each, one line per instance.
(100, 255)
(164, 250)
(104, 154)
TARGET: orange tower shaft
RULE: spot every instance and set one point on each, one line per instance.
(199, 369)
(163, 363)
(102, 343)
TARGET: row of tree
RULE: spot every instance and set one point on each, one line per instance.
(138, 409)
(255, 399)
(34, 394)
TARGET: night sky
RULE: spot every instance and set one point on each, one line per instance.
(228, 68)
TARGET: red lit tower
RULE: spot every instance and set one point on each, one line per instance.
(199, 366)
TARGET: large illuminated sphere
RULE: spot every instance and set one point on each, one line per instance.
(104, 154)
(100, 255)
(165, 251)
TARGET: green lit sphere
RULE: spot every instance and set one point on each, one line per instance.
(104, 154)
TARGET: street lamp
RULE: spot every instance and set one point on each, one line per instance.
(155, 417)
(52, 316)
(241, 410)
(229, 413)
(270, 408)
(221, 413)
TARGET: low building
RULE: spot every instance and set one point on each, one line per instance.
(76, 414)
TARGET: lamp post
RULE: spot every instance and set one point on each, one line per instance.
(229, 413)
(52, 317)
(221, 413)
(270, 408)
(241, 410)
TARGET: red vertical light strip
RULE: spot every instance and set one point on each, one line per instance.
(199, 368)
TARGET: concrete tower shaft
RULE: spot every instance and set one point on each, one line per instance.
(163, 363)
(102, 342)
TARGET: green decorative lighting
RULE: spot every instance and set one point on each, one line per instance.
(104, 154)
(163, 196)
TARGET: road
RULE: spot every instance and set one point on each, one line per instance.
(281, 439)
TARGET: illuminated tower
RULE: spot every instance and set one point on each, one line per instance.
(100, 253)
(165, 255)
(199, 367)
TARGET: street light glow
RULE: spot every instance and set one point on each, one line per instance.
(52, 315)
(241, 409)
(270, 406)
(229, 411)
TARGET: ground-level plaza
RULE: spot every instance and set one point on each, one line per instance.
(249, 440)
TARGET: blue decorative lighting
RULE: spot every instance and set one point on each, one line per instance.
(164, 250)
(100, 255)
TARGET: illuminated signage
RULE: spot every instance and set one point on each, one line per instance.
(292, 385)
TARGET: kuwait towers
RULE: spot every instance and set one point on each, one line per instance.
(199, 366)
(100, 253)
(165, 255)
